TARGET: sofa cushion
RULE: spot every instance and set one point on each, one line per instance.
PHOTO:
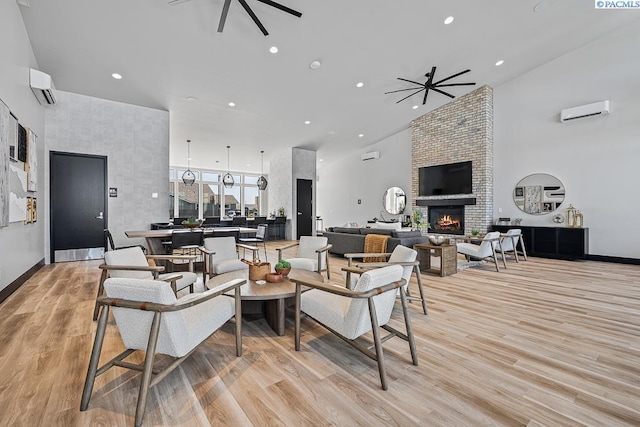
(390, 225)
(409, 233)
(350, 230)
(376, 231)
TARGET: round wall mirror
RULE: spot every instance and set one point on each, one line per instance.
(538, 194)
(394, 200)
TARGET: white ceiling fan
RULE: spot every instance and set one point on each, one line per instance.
(247, 8)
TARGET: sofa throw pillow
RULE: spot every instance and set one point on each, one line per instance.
(388, 225)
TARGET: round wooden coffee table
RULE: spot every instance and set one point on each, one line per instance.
(274, 297)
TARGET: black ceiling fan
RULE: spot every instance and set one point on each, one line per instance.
(247, 8)
(430, 85)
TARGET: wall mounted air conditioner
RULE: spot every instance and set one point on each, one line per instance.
(42, 87)
(370, 156)
(588, 110)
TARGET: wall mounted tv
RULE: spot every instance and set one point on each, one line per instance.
(453, 178)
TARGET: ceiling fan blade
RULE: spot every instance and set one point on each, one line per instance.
(223, 17)
(426, 92)
(254, 17)
(409, 96)
(451, 77)
(443, 92)
(402, 90)
(281, 7)
(411, 81)
(453, 84)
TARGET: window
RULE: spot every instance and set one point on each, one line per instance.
(210, 198)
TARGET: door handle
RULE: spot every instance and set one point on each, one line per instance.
(299, 213)
(100, 216)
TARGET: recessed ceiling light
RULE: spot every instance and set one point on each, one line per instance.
(361, 135)
(307, 122)
(231, 104)
(273, 49)
(321, 160)
(315, 65)
(359, 84)
(116, 76)
(191, 98)
(499, 63)
(415, 107)
(248, 164)
(449, 20)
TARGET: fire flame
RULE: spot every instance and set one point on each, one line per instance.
(448, 223)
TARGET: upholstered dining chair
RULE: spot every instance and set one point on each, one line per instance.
(401, 255)
(260, 237)
(221, 256)
(352, 313)
(509, 243)
(133, 263)
(150, 318)
(487, 248)
(313, 254)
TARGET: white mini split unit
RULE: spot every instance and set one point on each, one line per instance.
(42, 87)
(370, 156)
(588, 110)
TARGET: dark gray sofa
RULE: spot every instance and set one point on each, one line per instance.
(351, 240)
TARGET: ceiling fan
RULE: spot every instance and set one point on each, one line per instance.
(247, 8)
(430, 85)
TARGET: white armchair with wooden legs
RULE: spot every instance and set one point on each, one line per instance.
(313, 254)
(401, 255)
(133, 263)
(150, 318)
(350, 314)
(221, 256)
(487, 248)
(509, 243)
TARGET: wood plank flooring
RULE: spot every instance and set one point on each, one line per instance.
(543, 343)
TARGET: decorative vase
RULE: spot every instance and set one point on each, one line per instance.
(283, 271)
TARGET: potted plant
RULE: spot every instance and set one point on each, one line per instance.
(283, 267)
(192, 222)
(281, 211)
(417, 220)
(475, 232)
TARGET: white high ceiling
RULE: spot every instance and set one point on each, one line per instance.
(167, 53)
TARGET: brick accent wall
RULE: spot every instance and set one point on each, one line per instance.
(459, 131)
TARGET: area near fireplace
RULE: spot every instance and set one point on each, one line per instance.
(446, 219)
(459, 131)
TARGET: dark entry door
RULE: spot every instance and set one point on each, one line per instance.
(304, 203)
(78, 206)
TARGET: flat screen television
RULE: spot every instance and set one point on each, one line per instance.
(453, 178)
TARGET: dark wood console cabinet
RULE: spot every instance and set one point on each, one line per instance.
(553, 242)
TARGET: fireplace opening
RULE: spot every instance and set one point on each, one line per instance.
(446, 219)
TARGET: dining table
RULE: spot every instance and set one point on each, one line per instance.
(154, 238)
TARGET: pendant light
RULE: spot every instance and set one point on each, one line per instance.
(188, 177)
(262, 181)
(227, 180)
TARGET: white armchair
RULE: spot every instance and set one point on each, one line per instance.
(133, 263)
(402, 256)
(150, 318)
(350, 314)
(487, 249)
(222, 256)
(313, 254)
(509, 243)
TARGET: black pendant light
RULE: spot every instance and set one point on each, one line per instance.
(262, 181)
(228, 180)
(188, 177)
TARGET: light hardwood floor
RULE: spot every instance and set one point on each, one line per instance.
(545, 342)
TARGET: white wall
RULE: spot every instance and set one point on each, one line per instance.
(597, 159)
(343, 179)
(21, 246)
(136, 142)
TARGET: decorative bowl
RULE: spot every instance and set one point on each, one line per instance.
(437, 240)
(283, 271)
(274, 278)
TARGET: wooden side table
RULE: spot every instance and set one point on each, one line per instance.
(448, 258)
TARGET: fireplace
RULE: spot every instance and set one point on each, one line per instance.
(446, 219)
